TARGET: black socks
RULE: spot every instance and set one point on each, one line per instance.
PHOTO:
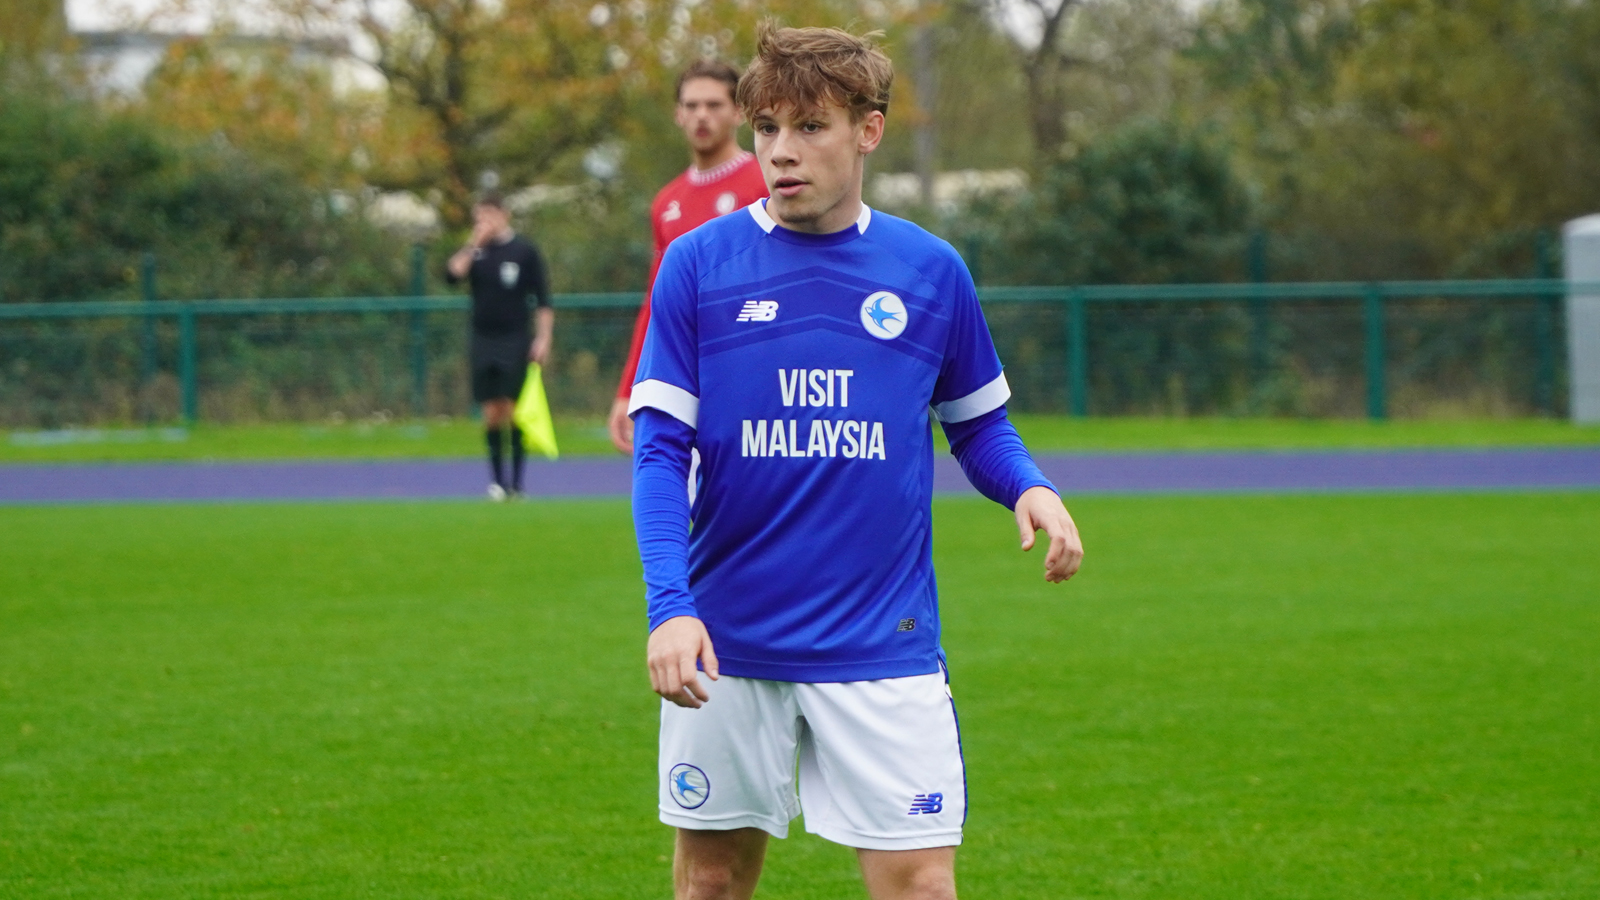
(519, 455)
(497, 454)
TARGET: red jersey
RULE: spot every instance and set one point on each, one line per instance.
(687, 202)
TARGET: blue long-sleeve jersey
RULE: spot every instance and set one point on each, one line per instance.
(802, 369)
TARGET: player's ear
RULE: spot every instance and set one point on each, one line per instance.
(869, 132)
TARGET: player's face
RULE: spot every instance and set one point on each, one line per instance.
(813, 162)
(706, 114)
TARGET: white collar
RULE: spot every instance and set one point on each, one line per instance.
(758, 211)
(701, 177)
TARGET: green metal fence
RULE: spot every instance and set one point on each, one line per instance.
(1327, 349)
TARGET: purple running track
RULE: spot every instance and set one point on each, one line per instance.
(1082, 473)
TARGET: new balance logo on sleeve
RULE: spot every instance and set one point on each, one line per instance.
(758, 311)
(926, 804)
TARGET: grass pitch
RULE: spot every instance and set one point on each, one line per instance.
(1240, 697)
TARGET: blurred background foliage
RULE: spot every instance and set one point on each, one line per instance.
(1139, 140)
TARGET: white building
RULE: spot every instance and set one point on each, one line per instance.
(120, 49)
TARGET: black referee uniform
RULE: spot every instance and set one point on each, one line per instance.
(502, 278)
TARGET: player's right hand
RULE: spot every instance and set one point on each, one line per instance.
(675, 646)
(620, 426)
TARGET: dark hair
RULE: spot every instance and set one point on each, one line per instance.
(708, 68)
(491, 198)
(808, 67)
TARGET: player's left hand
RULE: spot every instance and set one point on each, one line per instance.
(539, 350)
(1039, 509)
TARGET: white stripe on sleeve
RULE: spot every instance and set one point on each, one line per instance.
(988, 398)
(669, 398)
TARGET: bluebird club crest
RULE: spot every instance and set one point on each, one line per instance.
(883, 315)
(689, 786)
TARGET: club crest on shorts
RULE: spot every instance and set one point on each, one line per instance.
(690, 788)
(883, 315)
(508, 274)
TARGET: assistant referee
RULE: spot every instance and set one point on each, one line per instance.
(502, 270)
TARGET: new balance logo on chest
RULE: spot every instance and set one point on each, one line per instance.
(758, 311)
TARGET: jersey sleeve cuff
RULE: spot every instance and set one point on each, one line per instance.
(673, 611)
(1029, 484)
(986, 399)
(669, 398)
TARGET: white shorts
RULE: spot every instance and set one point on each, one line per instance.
(879, 762)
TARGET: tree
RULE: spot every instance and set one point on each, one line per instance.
(1484, 115)
(1150, 202)
(262, 99)
(1408, 138)
(30, 27)
(84, 192)
(1093, 65)
(1045, 61)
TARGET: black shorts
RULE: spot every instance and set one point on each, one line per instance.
(499, 365)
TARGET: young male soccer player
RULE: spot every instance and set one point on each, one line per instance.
(720, 179)
(503, 270)
(799, 347)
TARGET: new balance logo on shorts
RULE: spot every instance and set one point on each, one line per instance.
(926, 804)
(758, 311)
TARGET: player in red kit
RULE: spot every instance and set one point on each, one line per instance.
(722, 178)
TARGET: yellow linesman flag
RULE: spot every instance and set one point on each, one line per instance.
(532, 415)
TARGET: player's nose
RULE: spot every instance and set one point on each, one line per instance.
(781, 147)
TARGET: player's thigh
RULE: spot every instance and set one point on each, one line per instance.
(881, 766)
(730, 763)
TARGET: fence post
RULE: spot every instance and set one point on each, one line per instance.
(147, 335)
(1077, 354)
(1377, 393)
(1545, 310)
(187, 375)
(419, 333)
(1258, 314)
(1544, 377)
